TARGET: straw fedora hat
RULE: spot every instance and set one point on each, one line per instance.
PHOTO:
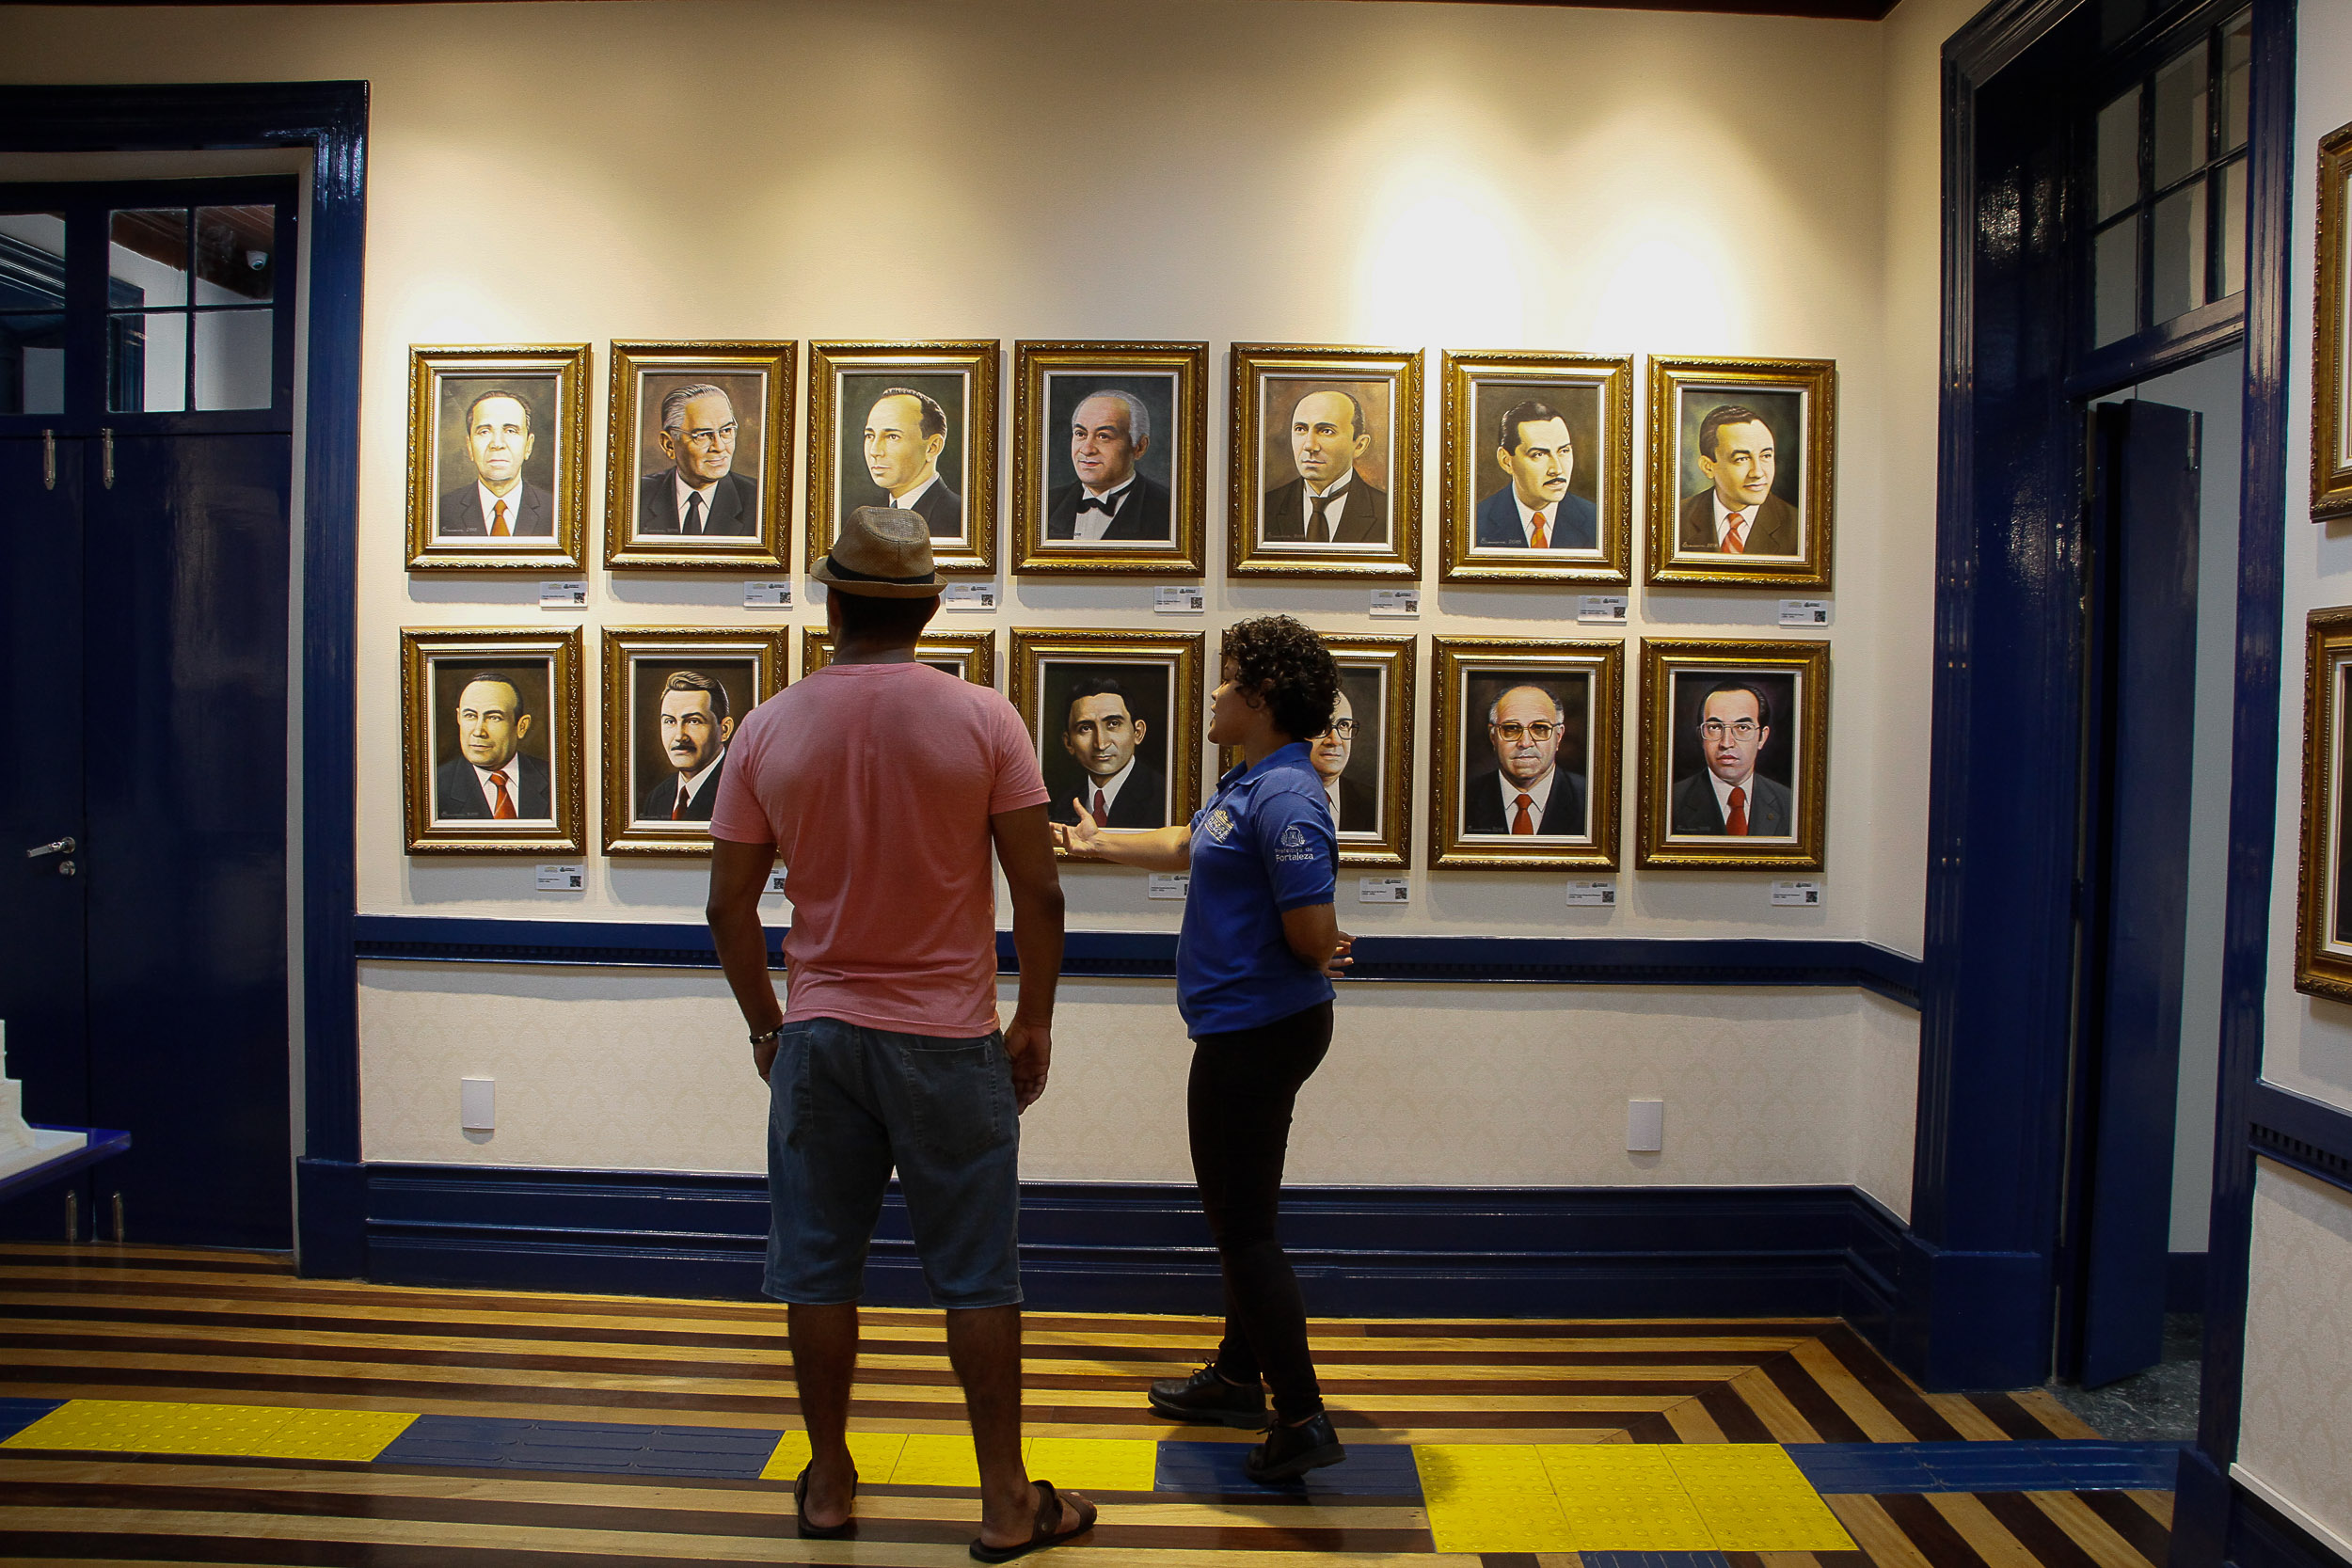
(882, 552)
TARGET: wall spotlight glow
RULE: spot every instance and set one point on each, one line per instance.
(1440, 272)
(1662, 299)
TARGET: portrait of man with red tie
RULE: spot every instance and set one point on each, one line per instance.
(1535, 732)
(1728, 795)
(504, 491)
(1738, 513)
(492, 777)
(1742, 459)
(694, 719)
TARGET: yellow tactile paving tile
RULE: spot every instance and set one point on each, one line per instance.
(901, 1459)
(236, 1431)
(1623, 1498)
(1755, 1500)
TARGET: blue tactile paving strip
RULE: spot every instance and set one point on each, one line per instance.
(1654, 1560)
(727, 1453)
(16, 1414)
(2066, 1464)
(1373, 1470)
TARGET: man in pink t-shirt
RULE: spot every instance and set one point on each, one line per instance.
(881, 785)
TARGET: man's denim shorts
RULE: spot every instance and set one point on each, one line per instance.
(846, 1103)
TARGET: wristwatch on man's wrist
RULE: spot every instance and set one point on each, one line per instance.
(770, 1036)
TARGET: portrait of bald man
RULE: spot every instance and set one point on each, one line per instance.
(1527, 794)
(1330, 501)
(903, 437)
(1111, 499)
(1737, 513)
(497, 501)
(491, 778)
(699, 493)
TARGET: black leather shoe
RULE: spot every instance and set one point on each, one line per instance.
(1290, 1452)
(1206, 1397)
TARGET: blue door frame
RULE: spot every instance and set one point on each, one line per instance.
(330, 119)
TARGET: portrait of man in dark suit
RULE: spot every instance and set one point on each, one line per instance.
(1535, 509)
(700, 493)
(905, 433)
(497, 501)
(1106, 727)
(1738, 513)
(1330, 501)
(1728, 797)
(1111, 499)
(491, 778)
(692, 725)
(1527, 794)
(1354, 806)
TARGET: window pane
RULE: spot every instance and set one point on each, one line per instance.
(2180, 235)
(236, 258)
(2237, 75)
(2180, 129)
(2233, 229)
(2119, 154)
(2115, 284)
(32, 262)
(148, 261)
(32, 364)
(232, 359)
(148, 367)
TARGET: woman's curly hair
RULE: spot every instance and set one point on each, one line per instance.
(1280, 656)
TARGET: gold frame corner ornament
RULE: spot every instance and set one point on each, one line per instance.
(775, 363)
(1182, 651)
(1810, 568)
(419, 648)
(623, 833)
(1246, 555)
(982, 360)
(1654, 846)
(2322, 968)
(1185, 555)
(2332, 304)
(1602, 661)
(567, 549)
(1462, 453)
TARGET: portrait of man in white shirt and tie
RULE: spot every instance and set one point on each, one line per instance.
(699, 494)
(692, 723)
(1728, 797)
(491, 779)
(497, 500)
(1738, 513)
(1533, 791)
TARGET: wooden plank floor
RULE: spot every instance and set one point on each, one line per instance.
(234, 1329)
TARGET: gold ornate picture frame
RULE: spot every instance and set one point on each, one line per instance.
(671, 699)
(917, 415)
(1352, 416)
(2331, 328)
(497, 438)
(1536, 472)
(1734, 755)
(1525, 739)
(967, 655)
(1116, 713)
(489, 715)
(725, 470)
(1769, 427)
(1110, 458)
(2323, 905)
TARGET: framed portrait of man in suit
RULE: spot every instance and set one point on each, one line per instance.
(1537, 473)
(1742, 470)
(672, 699)
(906, 425)
(1365, 759)
(1734, 754)
(1117, 719)
(1325, 462)
(490, 741)
(2331, 331)
(1527, 734)
(1109, 457)
(697, 456)
(497, 454)
(2323, 912)
(969, 655)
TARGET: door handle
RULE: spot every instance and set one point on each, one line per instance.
(49, 460)
(109, 464)
(55, 847)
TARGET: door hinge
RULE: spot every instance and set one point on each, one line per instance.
(72, 1215)
(120, 1237)
(109, 469)
(49, 460)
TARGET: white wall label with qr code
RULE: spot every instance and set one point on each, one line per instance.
(1179, 598)
(1402, 603)
(1171, 884)
(1600, 895)
(1797, 894)
(1607, 609)
(769, 593)
(969, 596)
(775, 881)
(1805, 612)
(562, 879)
(563, 594)
(1384, 890)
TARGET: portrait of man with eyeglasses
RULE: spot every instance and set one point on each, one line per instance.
(1729, 797)
(1354, 803)
(700, 494)
(1528, 793)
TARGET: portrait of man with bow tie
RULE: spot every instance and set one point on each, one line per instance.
(496, 480)
(1117, 491)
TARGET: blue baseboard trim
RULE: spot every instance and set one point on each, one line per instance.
(1361, 1252)
(1152, 954)
(2218, 1522)
(1971, 1319)
(330, 1218)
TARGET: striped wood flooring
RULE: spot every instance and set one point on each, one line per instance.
(102, 1323)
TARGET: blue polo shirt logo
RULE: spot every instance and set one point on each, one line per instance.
(1219, 825)
(1292, 837)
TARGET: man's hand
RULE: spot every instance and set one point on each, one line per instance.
(1031, 1048)
(1080, 837)
(1335, 967)
(764, 1057)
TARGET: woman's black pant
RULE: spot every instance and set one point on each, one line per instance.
(1244, 1084)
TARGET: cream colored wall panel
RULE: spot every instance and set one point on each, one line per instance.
(1885, 1093)
(2296, 1408)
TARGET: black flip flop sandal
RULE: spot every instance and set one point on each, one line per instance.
(1048, 1513)
(821, 1532)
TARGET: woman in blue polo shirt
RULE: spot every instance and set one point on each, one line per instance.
(1261, 941)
